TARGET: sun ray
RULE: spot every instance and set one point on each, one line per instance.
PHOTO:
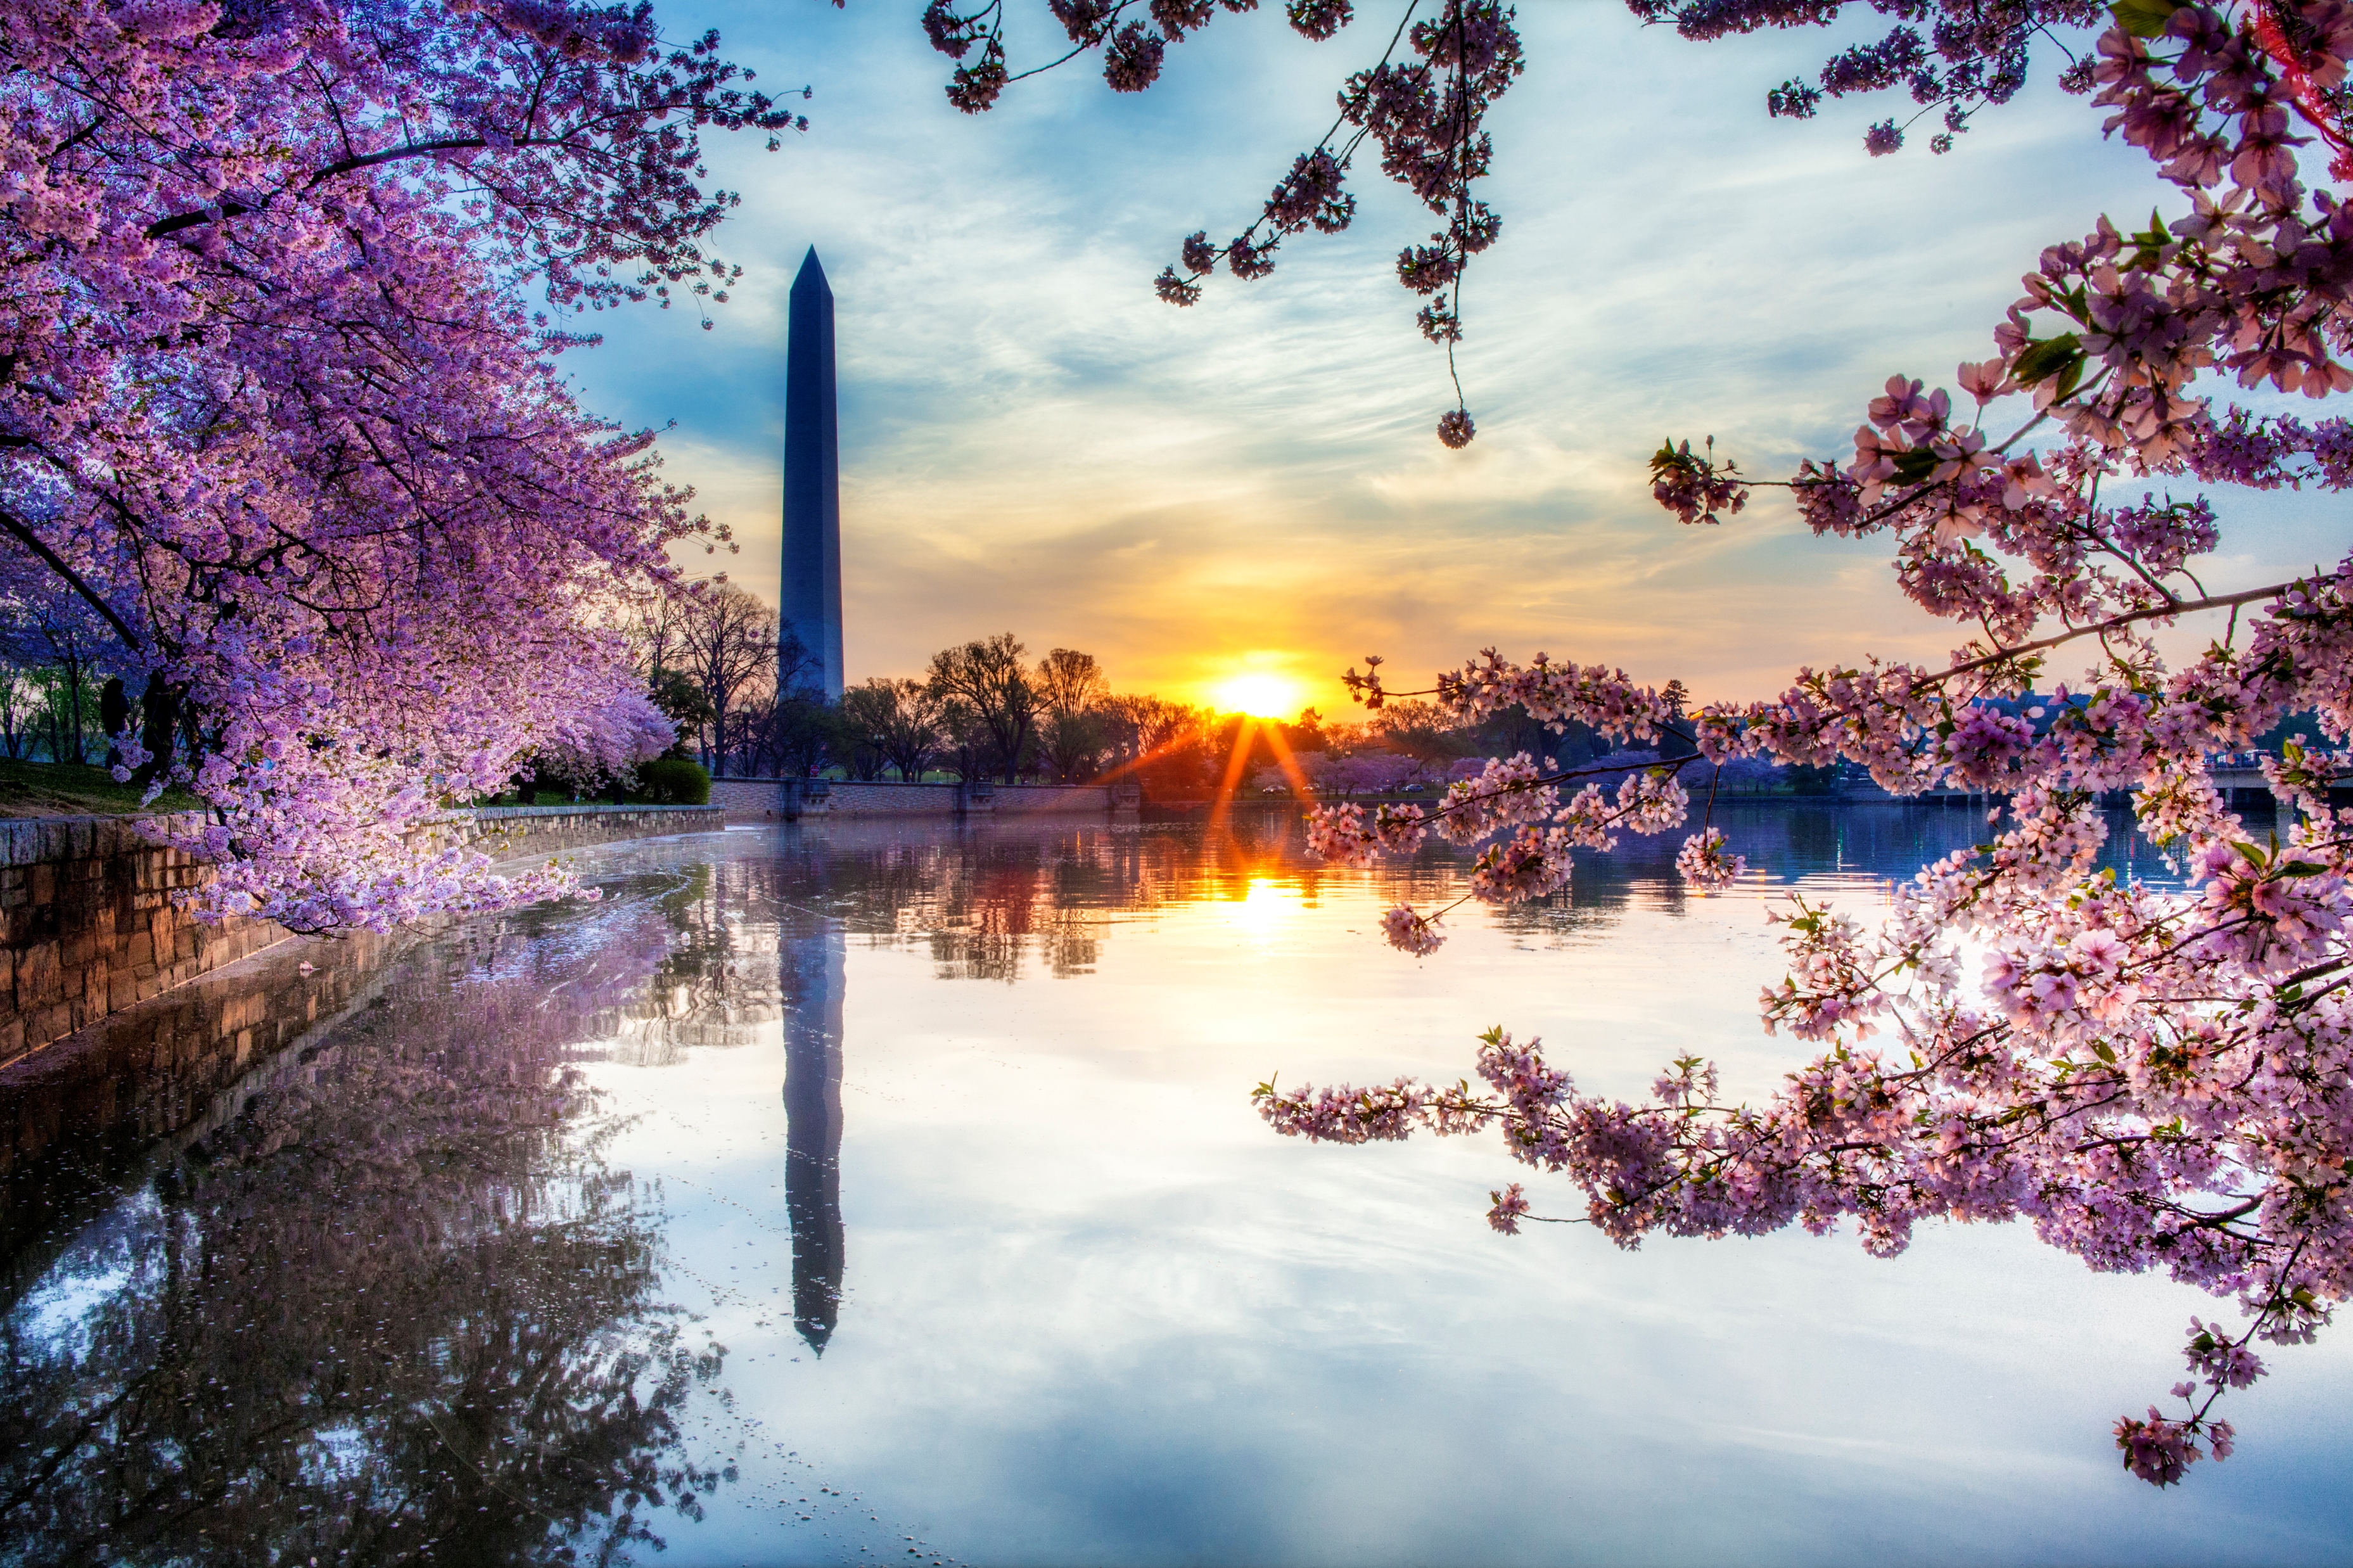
(1244, 733)
(1300, 788)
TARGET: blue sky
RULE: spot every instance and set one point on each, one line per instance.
(1032, 442)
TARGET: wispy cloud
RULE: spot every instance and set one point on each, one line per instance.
(1031, 441)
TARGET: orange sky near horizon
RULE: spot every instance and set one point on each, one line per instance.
(1251, 488)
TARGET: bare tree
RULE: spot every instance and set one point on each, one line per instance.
(19, 696)
(727, 640)
(867, 712)
(1139, 725)
(964, 745)
(915, 736)
(989, 677)
(799, 669)
(1071, 685)
(656, 628)
(1070, 682)
(898, 721)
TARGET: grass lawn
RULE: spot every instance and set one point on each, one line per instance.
(68, 789)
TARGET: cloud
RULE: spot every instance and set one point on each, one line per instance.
(1031, 441)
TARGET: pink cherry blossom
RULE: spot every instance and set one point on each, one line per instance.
(275, 410)
(2155, 1078)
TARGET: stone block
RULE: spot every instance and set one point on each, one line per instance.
(36, 973)
(51, 1023)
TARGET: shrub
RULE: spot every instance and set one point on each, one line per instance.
(673, 781)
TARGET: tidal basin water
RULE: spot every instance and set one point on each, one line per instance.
(860, 1194)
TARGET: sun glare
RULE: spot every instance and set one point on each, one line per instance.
(1264, 908)
(1260, 695)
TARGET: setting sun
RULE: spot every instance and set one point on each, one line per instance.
(1261, 694)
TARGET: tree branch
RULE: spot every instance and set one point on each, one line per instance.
(24, 532)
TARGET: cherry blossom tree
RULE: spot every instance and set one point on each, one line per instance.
(277, 410)
(2155, 1080)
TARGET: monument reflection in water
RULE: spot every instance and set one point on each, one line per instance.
(814, 966)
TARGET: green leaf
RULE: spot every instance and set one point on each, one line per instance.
(2144, 18)
(1915, 465)
(2105, 1054)
(2047, 357)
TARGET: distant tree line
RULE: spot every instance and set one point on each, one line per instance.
(747, 703)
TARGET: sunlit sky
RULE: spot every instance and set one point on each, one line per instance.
(1031, 442)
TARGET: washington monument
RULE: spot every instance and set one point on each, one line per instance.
(809, 589)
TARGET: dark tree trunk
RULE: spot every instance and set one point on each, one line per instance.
(159, 728)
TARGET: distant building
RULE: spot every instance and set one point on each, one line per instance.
(809, 592)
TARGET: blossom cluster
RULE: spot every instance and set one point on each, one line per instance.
(275, 416)
(2155, 1078)
(1423, 106)
(1426, 109)
(1513, 807)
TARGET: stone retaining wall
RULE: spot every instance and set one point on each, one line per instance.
(879, 799)
(517, 830)
(1016, 800)
(88, 926)
(793, 799)
(75, 1120)
(753, 798)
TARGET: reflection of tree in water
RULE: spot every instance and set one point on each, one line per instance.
(716, 987)
(399, 1304)
(985, 899)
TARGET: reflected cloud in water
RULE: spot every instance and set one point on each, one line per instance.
(536, 1246)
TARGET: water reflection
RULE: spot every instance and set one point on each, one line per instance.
(458, 1268)
(813, 972)
(399, 1304)
(988, 903)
